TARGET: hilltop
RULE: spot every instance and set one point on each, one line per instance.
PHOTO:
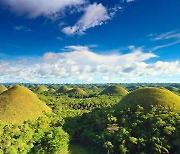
(147, 97)
(78, 91)
(114, 90)
(42, 88)
(19, 103)
(63, 89)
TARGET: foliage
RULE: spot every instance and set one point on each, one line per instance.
(129, 130)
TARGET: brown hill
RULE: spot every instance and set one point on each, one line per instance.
(19, 103)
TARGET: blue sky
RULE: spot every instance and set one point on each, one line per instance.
(84, 41)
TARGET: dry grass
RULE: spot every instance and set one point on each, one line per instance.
(42, 88)
(2, 88)
(19, 103)
(77, 91)
(114, 90)
(147, 97)
(63, 89)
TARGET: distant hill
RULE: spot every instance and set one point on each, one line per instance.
(114, 90)
(78, 91)
(42, 88)
(171, 88)
(52, 90)
(19, 103)
(63, 89)
(2, 88)
(152, 96)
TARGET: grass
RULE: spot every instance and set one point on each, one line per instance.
(2, 88)
(77, 91)
(117, 90)
(19, 103)
(147, 97)
(42, 88)
(63, 89)
(52, 90)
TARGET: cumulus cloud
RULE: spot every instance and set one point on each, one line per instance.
(79, 64)
(95, 15)
(35, 8)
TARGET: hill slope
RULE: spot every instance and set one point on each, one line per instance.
(2, 88)
(152, 96)
(19, 104)
(42, 88)
(117, 90)
(77, 91)
(63, 89)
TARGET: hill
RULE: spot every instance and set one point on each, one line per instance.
(63, 89)
(42, 88)
(19, 103)
(171, 88)
(114, 90)
(152, 96)
(2, 88)
(78, 91)
(52, 90)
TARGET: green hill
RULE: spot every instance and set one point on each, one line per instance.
(114, 90)
(42, 88)
(2, 88)
(63, 89)
(152, 96)
(78, 91)
(19, 103)
(52, 90)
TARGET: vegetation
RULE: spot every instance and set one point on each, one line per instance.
(114, 90)
(63, 89)
(147, 120)
(2, 88)
(148, 97)
(19, 103)
(42, 88)
(76, 91)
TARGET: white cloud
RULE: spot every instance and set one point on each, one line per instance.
(22, 28)
(35, 8)
(128, 1)
(166, 36)
(79, 64)
(95, 15)
(173, 37)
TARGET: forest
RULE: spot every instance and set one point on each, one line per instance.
(90, 118)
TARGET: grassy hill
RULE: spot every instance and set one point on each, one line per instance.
(171, 88)
(152, 96)
(52, 90)
(114, 90)
(19, 103)
(77, 91)
(42, 88)
(2, 88)
(63, 89)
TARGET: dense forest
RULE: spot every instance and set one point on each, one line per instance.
(99, 118)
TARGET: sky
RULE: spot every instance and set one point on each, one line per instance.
(89, 41)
